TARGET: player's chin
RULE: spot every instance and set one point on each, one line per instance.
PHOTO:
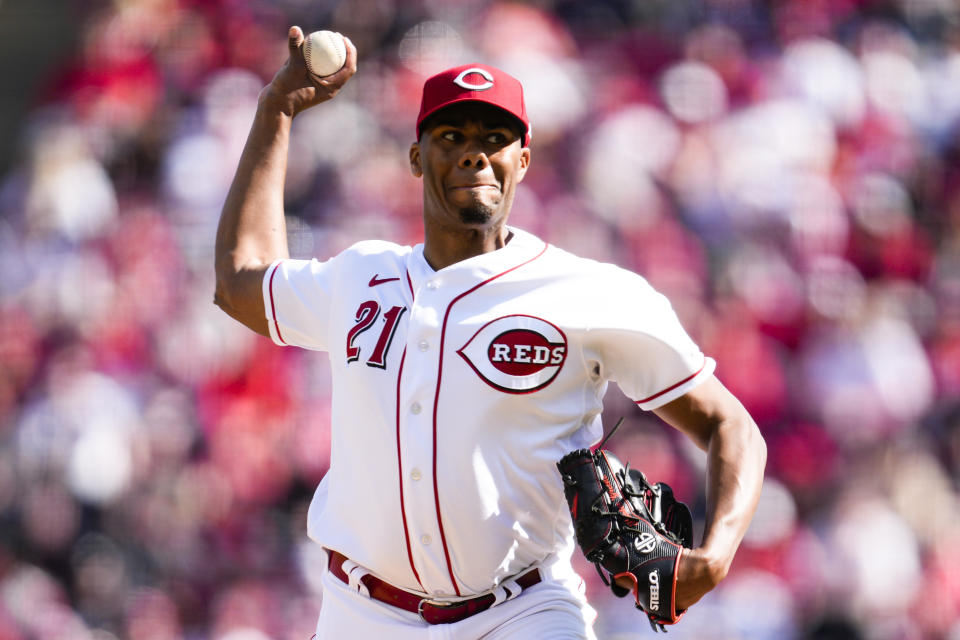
(476, 214)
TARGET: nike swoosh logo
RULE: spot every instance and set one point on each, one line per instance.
(374, 281)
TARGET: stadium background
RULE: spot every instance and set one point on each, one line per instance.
(787, 172)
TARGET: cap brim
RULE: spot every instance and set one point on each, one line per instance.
(524, 130)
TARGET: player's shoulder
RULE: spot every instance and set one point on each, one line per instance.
(373, 252)
(360, 259)
(574, 266)
(384, 248)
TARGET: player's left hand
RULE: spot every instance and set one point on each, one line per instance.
(637, 533)
(696, 577)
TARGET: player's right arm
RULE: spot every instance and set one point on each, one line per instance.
(252, 233)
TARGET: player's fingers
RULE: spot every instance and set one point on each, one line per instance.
(351, 60)
(294, 38)
(336, 80)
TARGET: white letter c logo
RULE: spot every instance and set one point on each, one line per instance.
(460, 79)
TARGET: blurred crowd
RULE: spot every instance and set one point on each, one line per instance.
(787, 172)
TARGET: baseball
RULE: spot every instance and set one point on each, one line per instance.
(324, 52)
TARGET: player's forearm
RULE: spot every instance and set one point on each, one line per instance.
(736, 457)
(252, 232)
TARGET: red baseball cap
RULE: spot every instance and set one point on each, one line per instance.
(474, 83)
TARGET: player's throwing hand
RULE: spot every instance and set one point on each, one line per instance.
(294, 89)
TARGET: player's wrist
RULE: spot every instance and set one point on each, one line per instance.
(704, 566)
(697, 574)
(273, 103)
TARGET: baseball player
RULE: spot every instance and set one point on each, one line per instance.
(463, 368)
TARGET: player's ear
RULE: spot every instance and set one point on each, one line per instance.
(524, 163)
(416, 168)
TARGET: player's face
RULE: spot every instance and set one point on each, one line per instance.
(471, 158)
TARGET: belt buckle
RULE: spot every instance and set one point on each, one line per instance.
(435, 603)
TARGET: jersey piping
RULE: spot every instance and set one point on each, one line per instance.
(273, 308)
(672, 387)
(436, 400)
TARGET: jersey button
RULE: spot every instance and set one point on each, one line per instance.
(425, 539)
(423, 345)
(415, 474)
(415, 408)
(432, 284)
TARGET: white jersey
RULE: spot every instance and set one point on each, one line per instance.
(455, 392)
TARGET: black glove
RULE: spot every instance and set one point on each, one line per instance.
(628, 528)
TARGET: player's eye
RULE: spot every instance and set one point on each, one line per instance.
(451, 136)
(496, 138)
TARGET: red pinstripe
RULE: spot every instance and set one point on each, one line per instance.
(436, 401)
(403, 511)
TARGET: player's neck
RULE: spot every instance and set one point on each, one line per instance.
(444, 247)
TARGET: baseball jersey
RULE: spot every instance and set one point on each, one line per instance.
(456, 391)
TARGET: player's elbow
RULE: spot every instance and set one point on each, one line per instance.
(754, 441)
(740, 425)
(236, 280)
(221, 301)
(761, 447)
(227, 285)
(225, 298)
(745, 435)
(238, 292)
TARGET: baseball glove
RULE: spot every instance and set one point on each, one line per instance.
(628, 528)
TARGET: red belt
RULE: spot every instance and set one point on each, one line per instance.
(430, 611)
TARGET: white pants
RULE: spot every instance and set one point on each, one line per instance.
(549, 609)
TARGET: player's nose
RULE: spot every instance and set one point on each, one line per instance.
(473, 157)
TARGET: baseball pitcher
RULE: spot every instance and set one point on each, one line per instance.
(468, 375)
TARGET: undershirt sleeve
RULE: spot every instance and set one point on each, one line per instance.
(296, 299)
(641, 345)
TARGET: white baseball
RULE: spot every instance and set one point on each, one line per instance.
(324, 52)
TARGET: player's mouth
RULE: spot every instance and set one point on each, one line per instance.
(472, 186)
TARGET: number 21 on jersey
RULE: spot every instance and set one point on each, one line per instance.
(366, 315)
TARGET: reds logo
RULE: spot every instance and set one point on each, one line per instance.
(516, 354)
(462, 81)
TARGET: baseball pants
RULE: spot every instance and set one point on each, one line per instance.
(549, 609)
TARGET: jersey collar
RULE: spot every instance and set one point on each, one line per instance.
(522, 247)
